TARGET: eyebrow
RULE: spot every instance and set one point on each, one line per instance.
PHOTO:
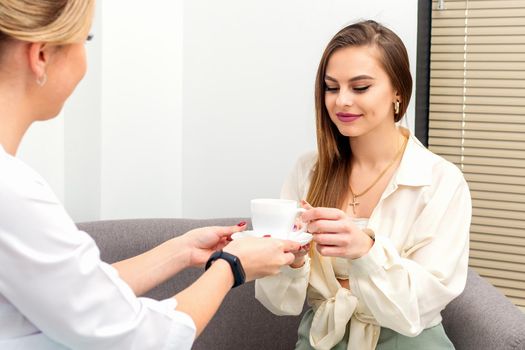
(359, 77)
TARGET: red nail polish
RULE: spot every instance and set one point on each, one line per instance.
(267, 236)
(241, 224)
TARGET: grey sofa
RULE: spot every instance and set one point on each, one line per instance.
(480, 318)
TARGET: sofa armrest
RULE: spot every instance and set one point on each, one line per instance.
(483, 318)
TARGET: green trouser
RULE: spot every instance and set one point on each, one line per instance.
(433, 338)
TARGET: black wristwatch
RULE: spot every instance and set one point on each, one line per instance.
(238, 272)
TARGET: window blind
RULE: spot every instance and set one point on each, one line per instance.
(477, 121)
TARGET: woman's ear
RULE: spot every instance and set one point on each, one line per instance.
(39, 55)
(397, 97)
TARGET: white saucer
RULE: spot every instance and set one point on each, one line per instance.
(300, 237)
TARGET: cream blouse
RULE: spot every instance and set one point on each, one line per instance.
(416, 266)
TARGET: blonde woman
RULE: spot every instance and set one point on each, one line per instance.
(390, 219)
(55, 293)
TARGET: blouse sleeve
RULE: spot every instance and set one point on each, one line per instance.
(285, 293)
(52, 274)
(406, 290)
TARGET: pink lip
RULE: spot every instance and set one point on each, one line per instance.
(347, 117)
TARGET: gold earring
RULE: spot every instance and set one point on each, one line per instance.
(396, 107)
(41, 80)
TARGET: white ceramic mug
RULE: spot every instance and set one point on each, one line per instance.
(275, 217)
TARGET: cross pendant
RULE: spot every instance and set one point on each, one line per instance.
(354, 203)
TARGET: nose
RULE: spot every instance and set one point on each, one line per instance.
(344, 98)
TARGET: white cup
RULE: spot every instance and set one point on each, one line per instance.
(275, 217)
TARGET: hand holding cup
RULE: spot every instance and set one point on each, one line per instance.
(262, 257)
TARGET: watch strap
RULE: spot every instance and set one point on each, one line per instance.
(239, 275)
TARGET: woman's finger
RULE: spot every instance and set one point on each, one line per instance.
(305, 204)
(331, 239)
(330, 250)
(322, 213)
(226, 231)
(335, 226)
(290, 246)
(289, 258)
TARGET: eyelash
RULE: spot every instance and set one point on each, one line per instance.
(361, 88)
(330, 89)
(358, 89)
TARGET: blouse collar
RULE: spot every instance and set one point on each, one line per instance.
(415, 168)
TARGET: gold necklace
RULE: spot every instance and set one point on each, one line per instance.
(355, 203)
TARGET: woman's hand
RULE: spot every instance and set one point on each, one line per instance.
(335, 234)
(202, 242)
(262, 257)
(299, 256)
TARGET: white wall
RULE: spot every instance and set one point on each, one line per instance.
(192, 107)
(82, 128)
(249, 71)
(141, 109)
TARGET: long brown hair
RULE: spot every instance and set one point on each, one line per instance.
(329, 186)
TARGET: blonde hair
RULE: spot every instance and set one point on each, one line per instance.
(57, 22)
